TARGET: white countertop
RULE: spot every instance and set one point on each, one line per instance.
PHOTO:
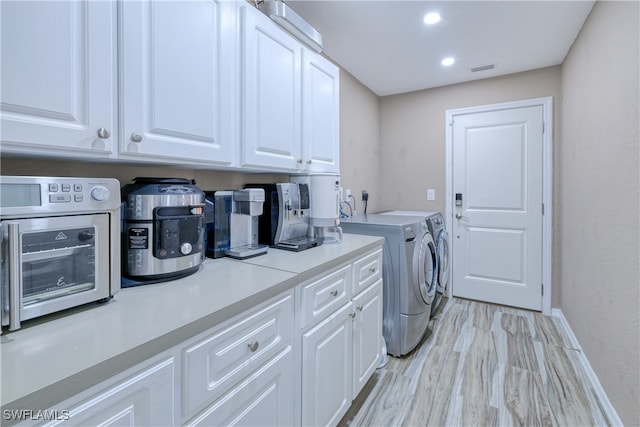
(142, 321)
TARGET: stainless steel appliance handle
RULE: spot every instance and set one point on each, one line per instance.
(15, 275)
(52, 253)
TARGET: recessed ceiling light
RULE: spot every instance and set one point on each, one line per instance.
(448, 61)
(432, 18)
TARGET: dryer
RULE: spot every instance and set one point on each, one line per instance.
(409, 272)
(435, 222)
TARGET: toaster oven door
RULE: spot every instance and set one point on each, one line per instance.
(51, 264)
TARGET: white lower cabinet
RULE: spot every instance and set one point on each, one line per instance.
(241, 372)
(145, 398)
(367, 335)
(326, 369)
(341, 349)
(263, 399)
(298, 358)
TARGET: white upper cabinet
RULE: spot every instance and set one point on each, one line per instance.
(58, 78)
(271, 94)
(320, 113)
(179, 81)
(290, 101)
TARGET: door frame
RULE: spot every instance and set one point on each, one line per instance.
(547, 182)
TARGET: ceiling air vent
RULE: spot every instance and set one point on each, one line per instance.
(483, 68)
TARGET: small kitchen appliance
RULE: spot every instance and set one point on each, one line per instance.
(268, 221)
(247, 207)
(60, 244)
(163, 229)
(294, 232)
(324, 205)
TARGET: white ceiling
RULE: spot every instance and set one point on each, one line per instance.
(388, 48)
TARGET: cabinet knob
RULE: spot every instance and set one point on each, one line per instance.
(334, 293)
(103, 133)
(359, 308)
(309, 161)
(372, 269)
(136, 137)
(253, 345)
(353, 315)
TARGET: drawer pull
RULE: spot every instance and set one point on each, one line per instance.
(253, 345)
(372, 269)
(334, 293)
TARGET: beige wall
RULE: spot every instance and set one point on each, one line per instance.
(359, 141)
(206, 180)
(413, 130)
(600, 162)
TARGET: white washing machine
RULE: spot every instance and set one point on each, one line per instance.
(435, 221)
(409, 272)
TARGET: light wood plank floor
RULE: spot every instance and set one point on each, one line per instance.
(482, 365)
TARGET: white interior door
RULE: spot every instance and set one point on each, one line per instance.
(497, 224)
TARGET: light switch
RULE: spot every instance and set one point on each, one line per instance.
(431, 194)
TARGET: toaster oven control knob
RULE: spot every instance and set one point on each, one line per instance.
(100, 193)
(186, 248)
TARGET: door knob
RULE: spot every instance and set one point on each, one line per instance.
(103, 133)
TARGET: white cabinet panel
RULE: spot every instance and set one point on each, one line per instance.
(144, 399)
(218, 359)
(178, 81)
(367, 335)
(58, 77)
(265, 398)
(366, 271)
(270, 94)
(320, 114)
(326, 369)
(323, 296)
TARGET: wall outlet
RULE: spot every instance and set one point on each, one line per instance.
(431, 194)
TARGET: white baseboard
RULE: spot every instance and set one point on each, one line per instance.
(597, 387)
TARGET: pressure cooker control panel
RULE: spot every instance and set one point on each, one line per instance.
(179, 237)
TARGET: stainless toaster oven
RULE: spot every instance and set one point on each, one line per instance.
(60, 244)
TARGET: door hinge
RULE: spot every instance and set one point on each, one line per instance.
(543, 126)
(542, 288)
(543, 209)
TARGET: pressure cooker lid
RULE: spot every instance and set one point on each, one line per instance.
(151, 180)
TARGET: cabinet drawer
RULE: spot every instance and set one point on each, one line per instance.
(366, 271)
(217, 360)
(144, 398)
(322, 296)
(263, 399)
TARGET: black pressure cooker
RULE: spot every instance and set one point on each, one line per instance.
(162, 228)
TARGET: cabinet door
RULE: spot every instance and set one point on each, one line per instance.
(216, 360)
(367, 335)
(144, 399)
(320, 114)
(58, 77)
(178, 81)
(327, 369)
(263, 399)
(270, 94)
